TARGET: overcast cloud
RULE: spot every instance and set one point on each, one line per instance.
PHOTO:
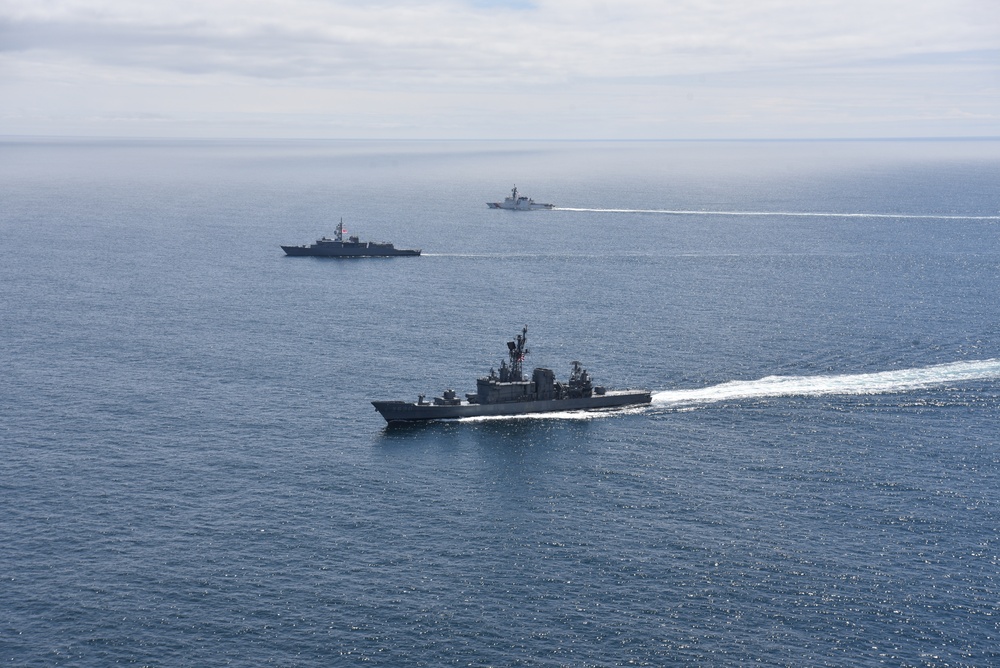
(494, 69)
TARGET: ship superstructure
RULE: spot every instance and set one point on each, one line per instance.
(508, 392)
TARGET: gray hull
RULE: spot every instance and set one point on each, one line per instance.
(336, 249)
(530, 206)
(401, 411)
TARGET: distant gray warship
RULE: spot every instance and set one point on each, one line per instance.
(518, 203)
(337, 247)
(508, 393)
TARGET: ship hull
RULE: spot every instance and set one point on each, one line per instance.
(519, 207)
(401, 411)
(348, 250)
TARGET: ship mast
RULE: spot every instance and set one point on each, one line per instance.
(340, 231)
(517, 350)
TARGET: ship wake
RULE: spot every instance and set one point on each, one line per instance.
(788, 214)
(884, 382)
(559, 415)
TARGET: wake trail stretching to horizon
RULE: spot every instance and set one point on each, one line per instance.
(791, 214)
(883, 382)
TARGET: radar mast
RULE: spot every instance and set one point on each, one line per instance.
(517, 351)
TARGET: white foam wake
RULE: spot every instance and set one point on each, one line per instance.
(795, 214)
(555, 415)
(884, 382)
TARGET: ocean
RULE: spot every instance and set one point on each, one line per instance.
(192, 473)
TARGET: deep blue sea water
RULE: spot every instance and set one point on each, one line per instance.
(191, 472)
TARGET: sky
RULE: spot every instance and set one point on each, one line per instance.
(500, 69)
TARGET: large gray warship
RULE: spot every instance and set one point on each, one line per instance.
(509, 393)
(353, 247)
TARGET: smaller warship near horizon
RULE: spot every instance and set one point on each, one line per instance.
(518, 203)
(353, 247)
(510, 393)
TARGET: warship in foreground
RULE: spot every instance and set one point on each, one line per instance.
(509, 393)
(337, 247)
(518, 203)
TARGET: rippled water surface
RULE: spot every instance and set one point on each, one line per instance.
(191, 472)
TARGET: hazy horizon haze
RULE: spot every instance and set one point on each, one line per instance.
(550, 69)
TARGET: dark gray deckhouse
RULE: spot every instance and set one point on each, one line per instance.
(509, 393)
(353, 247)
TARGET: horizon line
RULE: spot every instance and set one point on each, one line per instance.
(6, 137)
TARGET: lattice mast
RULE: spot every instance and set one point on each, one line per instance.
(517, 349)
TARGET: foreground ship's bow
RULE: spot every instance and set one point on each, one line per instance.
(509, 393)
